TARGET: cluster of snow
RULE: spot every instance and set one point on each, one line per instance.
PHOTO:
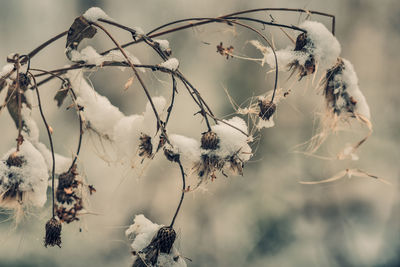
(142, 232)
(171, 64)
(322, 45)
(232, 141)
(109, 121)
(349, 78)
(6, 69)
(187, 148)
(90, 56)
(128, 130)
(31, 133)
(93, 14)
(30, 178)
(98, 110)
(164, 44)
(232, 147)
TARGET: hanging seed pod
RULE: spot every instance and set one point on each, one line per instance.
(267, 109)
(53, 233)
(209, 140)
(145, 146)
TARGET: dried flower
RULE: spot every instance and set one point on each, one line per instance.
(161, 243)
(53, 233)
(145, 146)
(209, 140)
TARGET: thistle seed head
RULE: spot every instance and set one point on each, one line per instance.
(53, 233)
(209, 140)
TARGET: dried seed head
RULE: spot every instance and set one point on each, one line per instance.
(15, 160)
(66, 185)
(301, 41)
(161, 242)
(53, 233)
(166, 236)
(209, 140)
(267, 109)
(145, 146)
(170, 155)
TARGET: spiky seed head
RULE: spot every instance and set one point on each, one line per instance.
(166, 236)
(267, 109)
(209, 140)
(53, 233)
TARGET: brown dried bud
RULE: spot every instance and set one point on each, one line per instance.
(301, 42)
(166, 236)
(170, 155)
(53, 233)
(14, 160)
(209, 140)
(145, 146)
(267, 109)
(161, 242)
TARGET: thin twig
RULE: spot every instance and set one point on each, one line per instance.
(182, 194)
(50, 141)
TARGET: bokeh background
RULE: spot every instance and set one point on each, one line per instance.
(265, 218)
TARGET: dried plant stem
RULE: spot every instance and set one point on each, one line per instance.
(50, 141)
(19, 99)
(73, 96)
(182, 194)
(134, 70)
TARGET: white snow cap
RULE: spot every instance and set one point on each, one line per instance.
(31, 133)
(93, 14)
(6, 69)
(164, 44)
(232, 141)
(129, 128)
(98, 110)
(326, 47)
(171, 64)
(30, 179)
(323, 46)
(142, 232)
(188, 149)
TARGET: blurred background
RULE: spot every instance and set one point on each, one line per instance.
(265, 218)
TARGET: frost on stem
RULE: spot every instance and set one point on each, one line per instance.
(23, 178)
(153, 245)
